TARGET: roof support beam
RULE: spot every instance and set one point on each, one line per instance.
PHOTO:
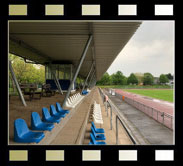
(78, 68)
(93, 82)
(88, 76)
(90, 26)
(17, 85)
(89, 85)
(56, 81)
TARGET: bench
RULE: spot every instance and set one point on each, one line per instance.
(31, 90)
(46, 89)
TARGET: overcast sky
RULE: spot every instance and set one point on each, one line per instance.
(151, 49)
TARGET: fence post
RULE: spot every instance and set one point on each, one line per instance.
(107, 107)
(157, 115)
(163, 117)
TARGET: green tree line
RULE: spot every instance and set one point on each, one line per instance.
(135, 78)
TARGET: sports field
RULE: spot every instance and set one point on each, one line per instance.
(162, 94)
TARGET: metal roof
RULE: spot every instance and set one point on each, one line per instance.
(45, 42)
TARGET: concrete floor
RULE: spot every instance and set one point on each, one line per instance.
(152, 131)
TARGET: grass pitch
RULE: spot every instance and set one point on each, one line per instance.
(162, 94)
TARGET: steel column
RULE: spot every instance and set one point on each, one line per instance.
(78, 68)
(56, 81)
(91, 78)
(17, 85)
(58, 84)
(93, 84)
(87, 76)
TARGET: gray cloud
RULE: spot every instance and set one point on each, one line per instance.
(151, 49)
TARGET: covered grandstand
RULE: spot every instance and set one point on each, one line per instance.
(68, 50)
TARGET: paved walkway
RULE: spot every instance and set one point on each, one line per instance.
(162, 106)
(154, 132)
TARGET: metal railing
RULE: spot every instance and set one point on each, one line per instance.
(161, 117)
(118, 119)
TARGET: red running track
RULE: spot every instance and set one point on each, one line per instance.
(159, 105)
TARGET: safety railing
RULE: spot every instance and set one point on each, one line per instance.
(159, 116)
(118, 119)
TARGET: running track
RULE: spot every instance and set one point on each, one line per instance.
(162, 106)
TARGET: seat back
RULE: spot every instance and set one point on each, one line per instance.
(53, 110)
(92, 138)
(58, 106)
(69, 101)
(45, 113)
(93, 125)
(93, 131)
(20, 127)
(35, 119)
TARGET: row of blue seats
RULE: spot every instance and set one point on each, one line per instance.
(97, 135)
(84, 92)
(23, 134)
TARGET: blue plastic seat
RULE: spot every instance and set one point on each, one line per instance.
(48, 118)
(24, 135)
(94, 142)
(98, 136)
(84, 92)
(59, 108)
(37, 124)
(97, 130)
(54, 113)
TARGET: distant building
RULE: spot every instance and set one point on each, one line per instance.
(156, 80)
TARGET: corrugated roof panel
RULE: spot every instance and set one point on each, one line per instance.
(66, 41)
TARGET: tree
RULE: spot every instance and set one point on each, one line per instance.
(148, 79)
(27, 73)
(169, 76)
(118, 78)
(105, 80)
(132, 79)
(163, 79)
